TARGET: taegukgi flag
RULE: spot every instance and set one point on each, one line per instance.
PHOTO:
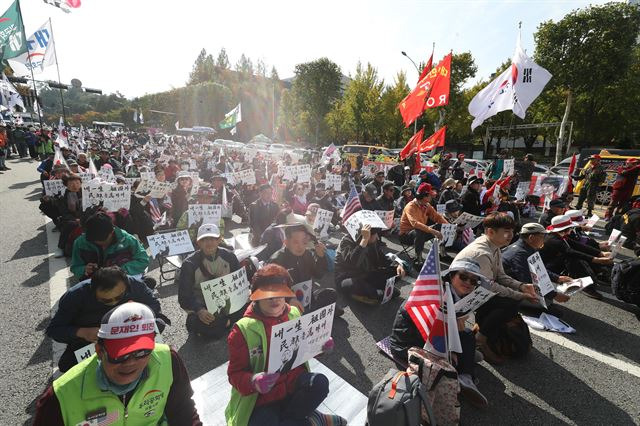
(515, 89)
(40, 55)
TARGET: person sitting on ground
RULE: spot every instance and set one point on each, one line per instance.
(261, 213)
(180, 195)
(413, 223)
(448, 192)
(471, 201)
(368, 197)
(81, 308)
(557, 207)
(463, 276)
(578, 233)
(102, 244)
(430, 178)
(298, 199)
(452, 210)
(129, 379)
(406, 196)
(205, 196)
(362, 269)
(514, 259)
(258, 397)
(502, 308)
(385, 200)
(324, 198)
(562, 256)
(457, 170)
(70, 211)
(304, 264)
(274, 236)
(208, 262)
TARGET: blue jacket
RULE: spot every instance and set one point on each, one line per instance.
(78, 307)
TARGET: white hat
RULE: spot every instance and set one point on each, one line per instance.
(577, 216)
(127, 328)
(208, 230)
(560, 223)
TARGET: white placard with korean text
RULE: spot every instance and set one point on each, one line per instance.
(246, 177)
(321, 222)
(297, 341)
(106, 174)
(227, 294)
(473, 300)
(54, 187)
(333, 182)
(448, 231)
(170, 243)
(204, 213)
(386, 216)
(441, 208)
(155, 188)
(360, 218)
(469, 220)
(112, 197)
(540, 277)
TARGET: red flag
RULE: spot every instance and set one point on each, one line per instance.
(426, 68)
(495, 187)
(432, 91)
(418, 163)
(434, 141)
(412, 145)
(572, 168)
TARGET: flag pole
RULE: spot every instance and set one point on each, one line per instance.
(55, 53)
(435, 246)
(33, 79)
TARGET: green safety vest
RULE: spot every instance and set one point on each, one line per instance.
(240, 407)
(83, 402)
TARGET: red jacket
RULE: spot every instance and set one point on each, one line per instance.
(239, 370)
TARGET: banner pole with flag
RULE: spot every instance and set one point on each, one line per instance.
(55, 53)
(33, 79)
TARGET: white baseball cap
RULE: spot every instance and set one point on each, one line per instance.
(127, 328)
(208, 230)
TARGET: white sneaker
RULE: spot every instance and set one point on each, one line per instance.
(471, 392)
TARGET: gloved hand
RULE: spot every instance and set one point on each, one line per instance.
(328, 346)
(263, 382)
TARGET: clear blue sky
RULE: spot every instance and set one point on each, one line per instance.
(144, 46)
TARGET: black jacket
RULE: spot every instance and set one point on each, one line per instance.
(371, 205)
(471, 202)
(514, 261)
(404, 334)
(385, 203)
(261, 216)
(301, 268)
(355, 261)
(557, 252)
(457, 172)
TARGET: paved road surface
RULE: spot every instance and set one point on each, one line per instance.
(592, 377)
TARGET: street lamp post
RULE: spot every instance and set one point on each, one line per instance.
(415, 123)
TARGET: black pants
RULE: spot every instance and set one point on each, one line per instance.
(466, 360)
(68, 358)
(496, 311)
(217, 329)
(416, 237)
(368, 285)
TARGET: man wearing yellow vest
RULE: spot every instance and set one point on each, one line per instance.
(129, 380)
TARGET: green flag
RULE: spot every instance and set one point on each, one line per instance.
(12, 38)
(231, 118)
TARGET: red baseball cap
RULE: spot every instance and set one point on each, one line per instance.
(425, 189)
(128, 328)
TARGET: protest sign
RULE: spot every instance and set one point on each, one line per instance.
(85, 176)
(303, 291)
(615, 248)
(386, 216)
(388, 289)
(246, 177)
(106, 174)
(473, 300)
(522, 190)
(613, 237)
(130, 181)
(204, 213)
(508, 168)
(441, 208)
(147, 175)
(321, 222)
(112, 197)
(54, 187)
(540, 277)
(592, 221)
(170, 243)
(296, 341)
(360, 218)
(468, 220)
(227, 294)
(448, 231)
(333, 182)
(575, 286)
(155, 188)
(303, 172)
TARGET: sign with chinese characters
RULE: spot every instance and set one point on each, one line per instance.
(540, 277)
(204, 213)
(155, 188)
(360, 218)
(386, 216)
(333, 182)
(473, 300)
(54, 187)
(303, 291)
(321, 222)
(245, 177)
(170, 243)
(298, 340)
(468, 220)
(300, 173)
(448, 231)
(112, 197)
(227, 294)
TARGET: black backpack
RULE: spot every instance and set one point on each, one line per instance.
(398, 400)
(625, 281)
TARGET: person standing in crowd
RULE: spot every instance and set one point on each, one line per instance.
(471, 202)
(44, 146)
(444, 166)
(20, 141)
(258, 397)
(592, 176)
(129, 378)
(457, 169)
(208, 262)
(81, 308)
(623, 187)
(525, 168)
(262, 212)
(180, 196)
(415, 216)
(362, 269)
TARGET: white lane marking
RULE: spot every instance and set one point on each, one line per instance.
(58, 275)
(624, 366)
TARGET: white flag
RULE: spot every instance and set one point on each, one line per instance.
(10, 95)
(135, 115)
(515, 89)
(40, 55)
(177, 125)
(141, 118)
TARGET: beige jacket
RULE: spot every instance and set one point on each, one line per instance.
(489, 258)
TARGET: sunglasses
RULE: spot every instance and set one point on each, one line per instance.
(133, 355)
(113, 300)
(468, 278)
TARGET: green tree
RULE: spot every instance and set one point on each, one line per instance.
(395, 132)
(244, 66)
(223, 60)
(363, 104)
(316, 88)
(202, 70)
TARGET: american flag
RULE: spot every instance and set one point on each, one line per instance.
(352, 205)
(423, 304)
(110, 418)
